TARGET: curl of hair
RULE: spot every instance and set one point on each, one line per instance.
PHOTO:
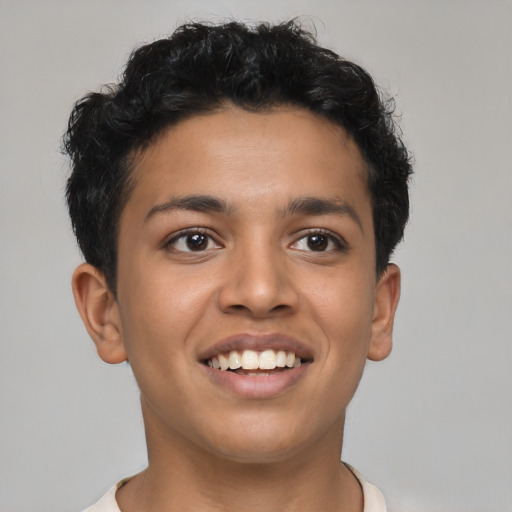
(199, 68)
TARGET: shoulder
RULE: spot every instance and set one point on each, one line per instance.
(373, 498)
(108, 502)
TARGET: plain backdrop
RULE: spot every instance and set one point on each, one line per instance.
(432, 424)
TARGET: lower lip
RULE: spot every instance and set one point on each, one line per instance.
(263, 386)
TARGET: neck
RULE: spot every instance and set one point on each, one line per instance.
(184, 477)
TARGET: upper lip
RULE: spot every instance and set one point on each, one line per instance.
(258, 343)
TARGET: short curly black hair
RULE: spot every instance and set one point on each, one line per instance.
(199, 68)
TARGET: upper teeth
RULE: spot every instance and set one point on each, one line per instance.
(252, 360)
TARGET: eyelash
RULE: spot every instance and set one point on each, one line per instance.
(182, 235)
(337, 240)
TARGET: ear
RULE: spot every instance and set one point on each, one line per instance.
(387, 296)
(100, 312)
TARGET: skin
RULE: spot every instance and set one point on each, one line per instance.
(257, 272)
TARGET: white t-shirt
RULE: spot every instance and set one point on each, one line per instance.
(373, 499)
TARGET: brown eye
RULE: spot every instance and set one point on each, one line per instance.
(192, 241)
(197, 242)
(318, 242)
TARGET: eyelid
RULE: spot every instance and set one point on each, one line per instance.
(340, 242)
(183, 233)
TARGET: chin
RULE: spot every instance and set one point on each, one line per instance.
(260, 444)
(264, 453)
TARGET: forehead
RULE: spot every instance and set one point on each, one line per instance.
(251, 158)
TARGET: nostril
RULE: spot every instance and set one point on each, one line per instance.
(280, 307)
(239, 307)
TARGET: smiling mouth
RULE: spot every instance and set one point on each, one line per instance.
(255, 364)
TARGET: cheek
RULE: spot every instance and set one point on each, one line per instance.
(159, 311)
(344, 313)
(157, 322)
(344, 303)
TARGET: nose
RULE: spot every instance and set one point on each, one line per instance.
(258, 282)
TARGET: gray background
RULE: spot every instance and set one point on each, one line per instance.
(432, 424)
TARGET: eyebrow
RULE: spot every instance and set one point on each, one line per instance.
(306, 205)
(196, 203)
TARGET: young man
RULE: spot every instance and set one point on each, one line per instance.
(237, 198)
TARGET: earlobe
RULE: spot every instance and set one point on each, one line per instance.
(99, 312)
(387, 296)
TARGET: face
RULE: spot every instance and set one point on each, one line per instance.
(248, 240)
